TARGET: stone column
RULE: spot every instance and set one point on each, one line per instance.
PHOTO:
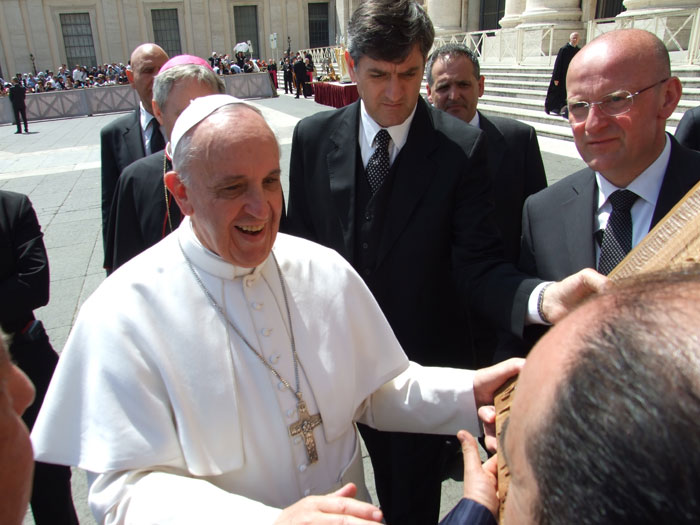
(551, 12)
(512, 15)
(446, 15)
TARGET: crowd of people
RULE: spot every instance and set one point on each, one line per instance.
(239, 347)
(114, 74)
(64, 78)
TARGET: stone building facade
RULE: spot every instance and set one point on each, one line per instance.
(43, 34)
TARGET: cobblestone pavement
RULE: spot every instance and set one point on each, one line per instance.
(58, 165)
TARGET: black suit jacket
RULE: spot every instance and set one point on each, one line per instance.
(24, 265)
(139, 215)
(517, 171)
(121, 143)
(558, 236)
(688, 130)
(18, 95)
(439, 247)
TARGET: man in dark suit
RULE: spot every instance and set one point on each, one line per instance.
(402, 191)
(618, 114)
(688, 130)
(132, 136)
(143, 211)
(18, 94)
(287, 73)
(24, 286)
(455, 84)
(300, 76)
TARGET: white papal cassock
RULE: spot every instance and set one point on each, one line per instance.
(178, 421)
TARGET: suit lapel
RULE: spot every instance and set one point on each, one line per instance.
(681, 175)
(495, 143)
(341, 165)
(133, 138)
(578, 213)
(412, 177)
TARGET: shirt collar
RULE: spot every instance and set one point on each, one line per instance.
(647, 185)
(144, 117)
(475, 121)
(369, 128)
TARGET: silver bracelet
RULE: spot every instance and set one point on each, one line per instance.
(540, 302)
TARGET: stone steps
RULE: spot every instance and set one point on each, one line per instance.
(519, 93)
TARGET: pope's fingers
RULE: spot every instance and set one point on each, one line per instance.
(330, 509)
(349, 490)
(488, 380)
(487, 414)
(351, 508)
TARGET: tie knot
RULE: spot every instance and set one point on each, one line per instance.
(622, 200)
(382, 138)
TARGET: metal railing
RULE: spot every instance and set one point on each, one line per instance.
(506, 45)
(679, 29)
(112, 99)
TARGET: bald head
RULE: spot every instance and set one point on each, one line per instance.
(625, 62)
(615, 412)
(642, 48)
(146, 61)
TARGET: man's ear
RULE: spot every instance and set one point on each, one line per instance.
(157, 112)
(351, 66)
(179, 191)
(430, 94)
(672, 91)
(130, 76)
(481, 86)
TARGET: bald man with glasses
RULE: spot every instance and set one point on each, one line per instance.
(620, 92)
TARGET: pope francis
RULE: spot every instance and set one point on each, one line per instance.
(218, 376)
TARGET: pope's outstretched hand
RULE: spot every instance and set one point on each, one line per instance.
(340, 507)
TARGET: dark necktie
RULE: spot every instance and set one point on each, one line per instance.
(617, 237)
(378, 165)
(157, 141)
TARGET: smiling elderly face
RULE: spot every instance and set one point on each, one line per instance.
(233, 192)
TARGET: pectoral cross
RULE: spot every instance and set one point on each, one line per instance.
(305, 426)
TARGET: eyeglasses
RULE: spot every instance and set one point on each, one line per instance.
(613, 104)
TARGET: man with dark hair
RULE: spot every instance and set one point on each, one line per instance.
(143, 211)
(132, 136)
(300, 76)
(402, 191)
(455, 85)
(606, 416)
